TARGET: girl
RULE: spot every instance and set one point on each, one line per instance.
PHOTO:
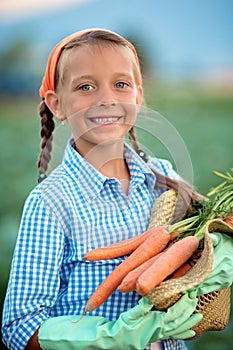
(102, 193)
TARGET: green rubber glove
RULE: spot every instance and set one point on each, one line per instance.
(222, 273)
(134, 329)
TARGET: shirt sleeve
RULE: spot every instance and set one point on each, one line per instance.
(34, 278)
(164, 167)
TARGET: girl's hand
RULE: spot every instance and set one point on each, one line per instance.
(134, 329)
(222, 273)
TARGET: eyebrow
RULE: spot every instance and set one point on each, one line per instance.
(90, 77)
(122, 74)
(82, 77)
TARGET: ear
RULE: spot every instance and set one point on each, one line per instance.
(139, 97)
(53, 103)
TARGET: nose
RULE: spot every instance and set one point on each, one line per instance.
(107, 96)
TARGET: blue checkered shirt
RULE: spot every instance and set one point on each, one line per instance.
(73, 211)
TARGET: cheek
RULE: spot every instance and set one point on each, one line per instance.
(71, 106)
(131, 110)
(77, 124)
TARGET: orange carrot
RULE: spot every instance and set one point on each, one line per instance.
(183, 269)
(122, 248)
(229, 219)
(173, 235)
(167, 263)
(154, 244)
(129, 282)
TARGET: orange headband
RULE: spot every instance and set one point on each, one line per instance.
(48, 82)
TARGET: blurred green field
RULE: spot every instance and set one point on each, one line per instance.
(205, 123)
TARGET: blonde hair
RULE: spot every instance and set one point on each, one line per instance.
(100, 39)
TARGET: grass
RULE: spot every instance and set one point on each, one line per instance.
(19, 143)
(204, 122)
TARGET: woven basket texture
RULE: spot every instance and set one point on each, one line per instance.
(215, 306)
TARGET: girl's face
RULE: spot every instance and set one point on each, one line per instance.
(98, 95)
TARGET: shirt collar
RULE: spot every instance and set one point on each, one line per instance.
(91, 181)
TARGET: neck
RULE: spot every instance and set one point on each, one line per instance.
(108, 159)
(118, 169)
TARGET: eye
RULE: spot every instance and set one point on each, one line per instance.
(121, 85)
(85, 87)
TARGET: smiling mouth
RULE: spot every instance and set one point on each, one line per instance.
(105, 120)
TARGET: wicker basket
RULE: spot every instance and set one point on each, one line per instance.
(214, 306)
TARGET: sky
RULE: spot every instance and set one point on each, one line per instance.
(11, 9)
(179, 36)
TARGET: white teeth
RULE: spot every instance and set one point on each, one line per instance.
(105, 120)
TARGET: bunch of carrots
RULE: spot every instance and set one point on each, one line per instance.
(162, 252)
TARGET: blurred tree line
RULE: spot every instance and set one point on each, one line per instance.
(21, 72)
(18, 72)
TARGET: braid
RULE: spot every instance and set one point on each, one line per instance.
(135, 144)
(133, 139)
(47, 127)
(186, 193)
